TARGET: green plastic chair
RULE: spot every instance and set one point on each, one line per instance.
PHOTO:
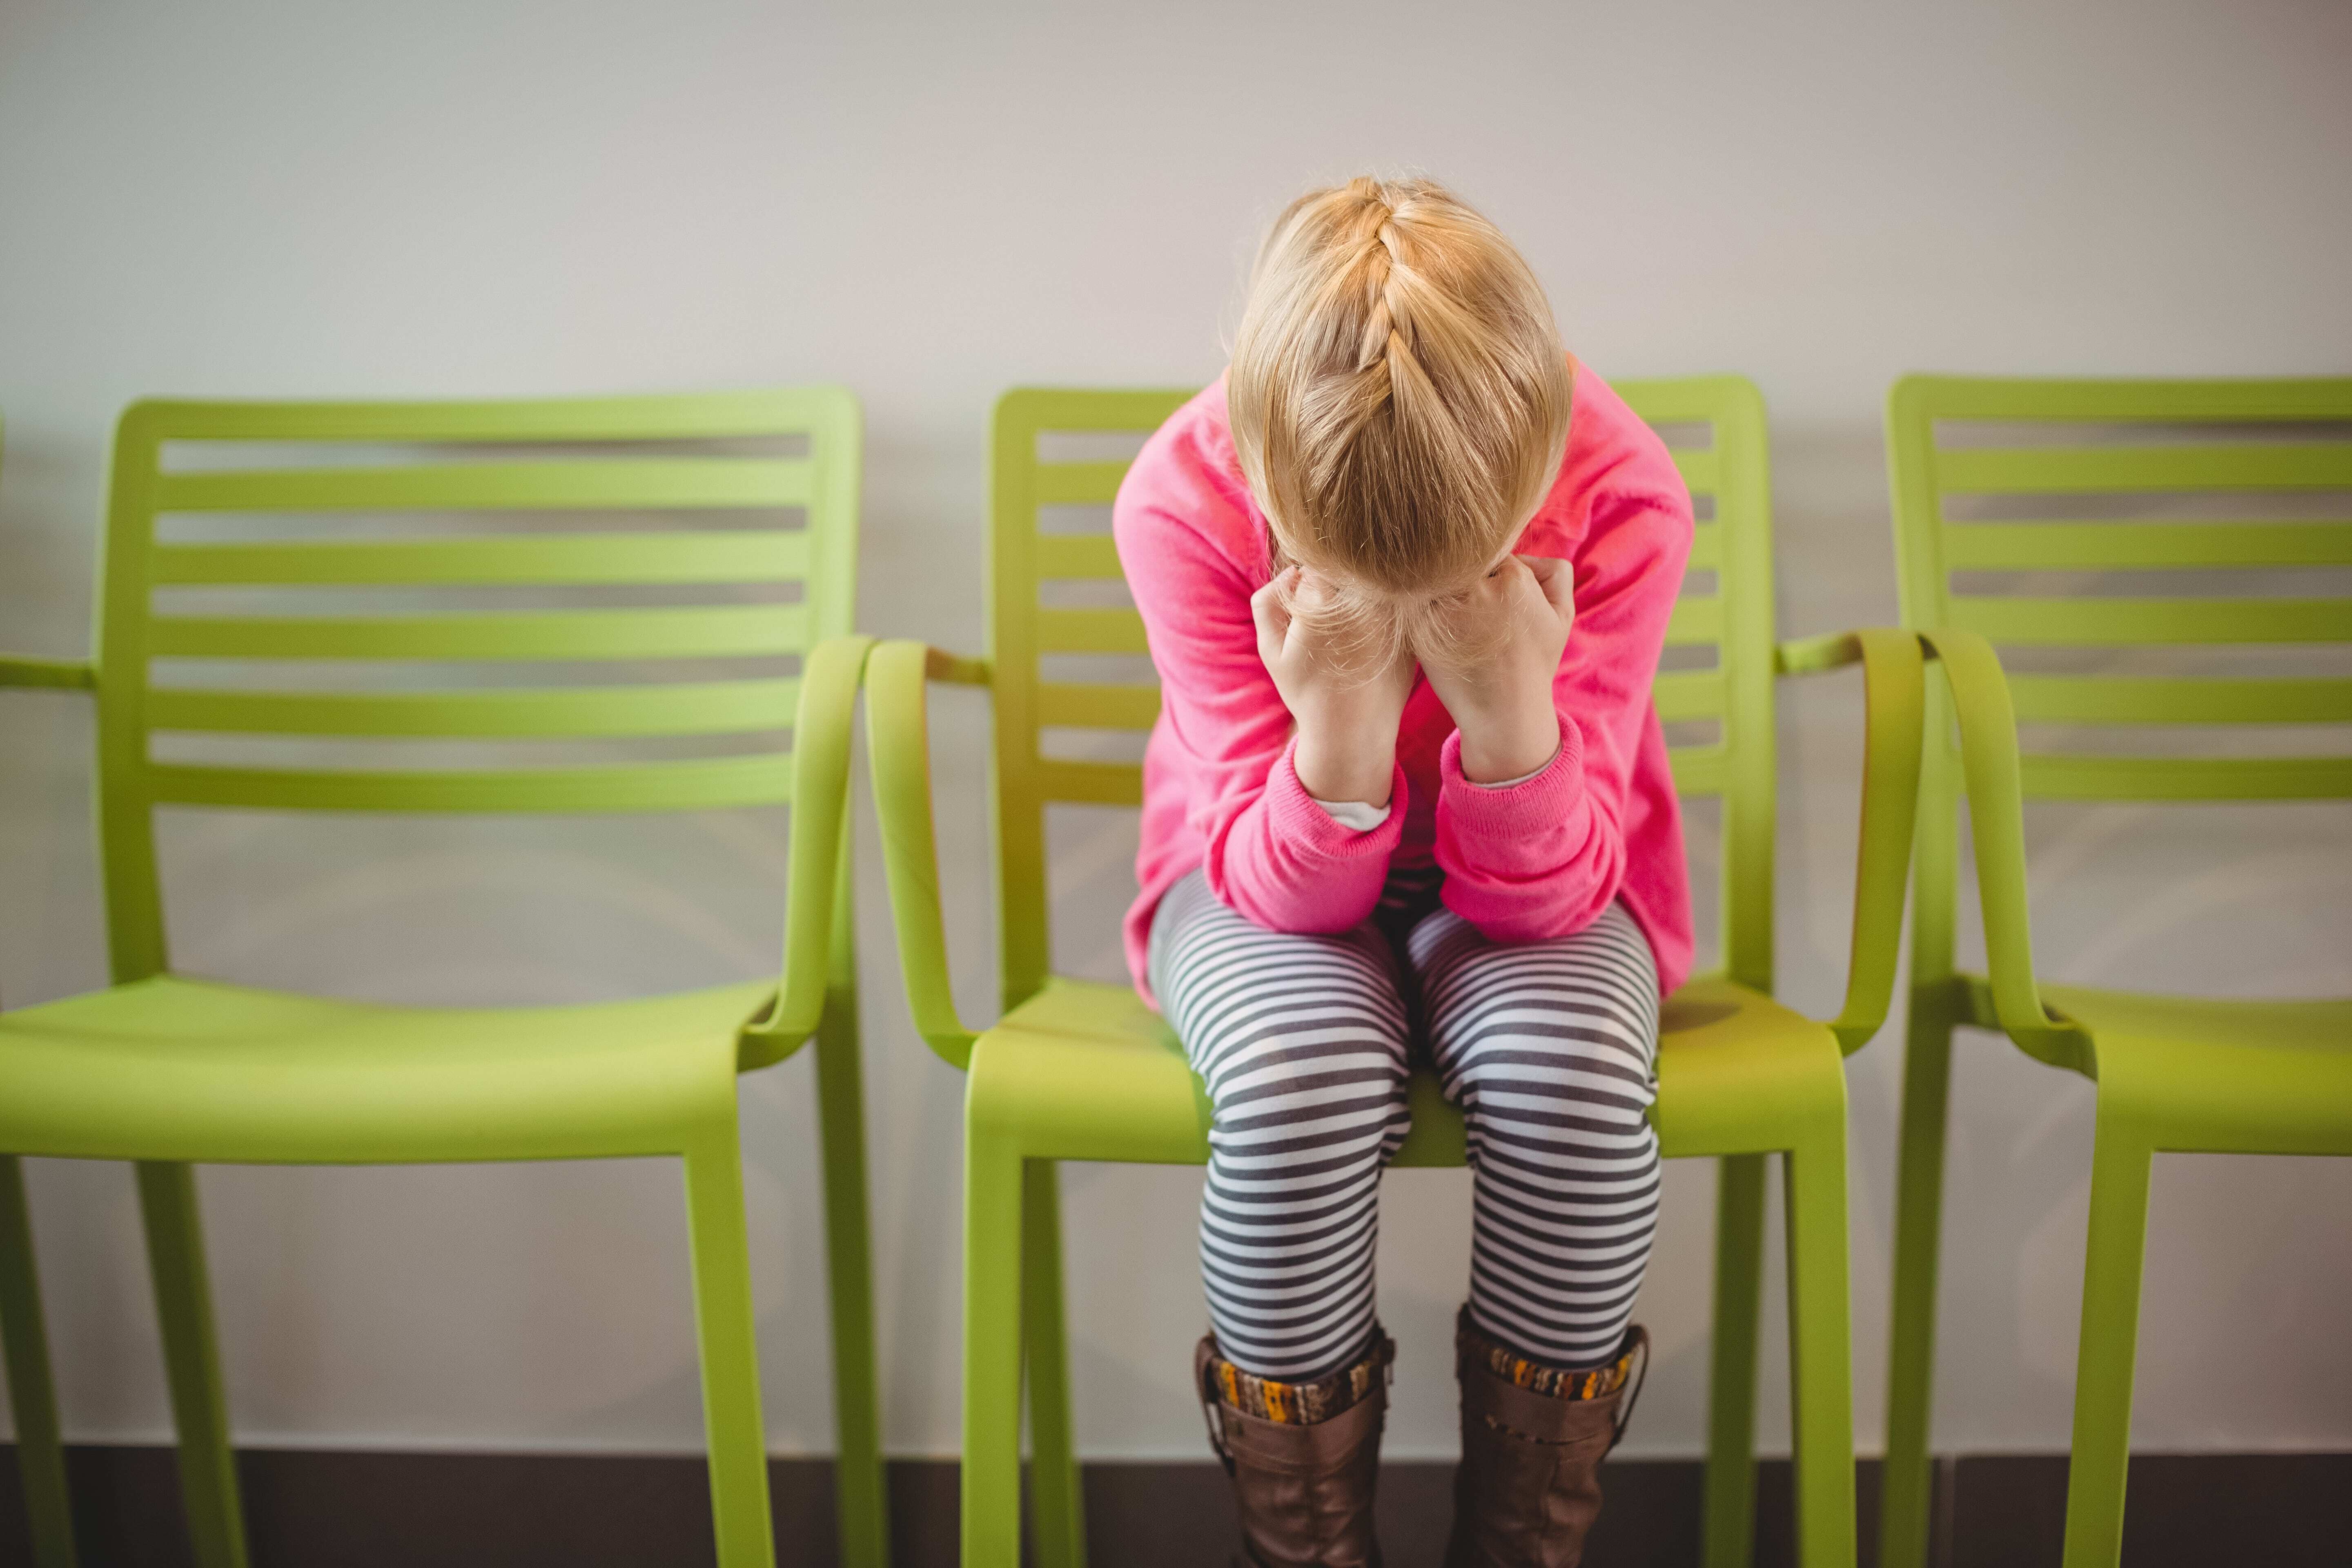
(166, 1070)
(2173, 1073)
(1079, 1071)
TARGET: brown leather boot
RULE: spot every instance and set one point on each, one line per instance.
(1303, 1458)
(1532, 1441)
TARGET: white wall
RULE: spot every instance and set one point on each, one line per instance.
(930, 206)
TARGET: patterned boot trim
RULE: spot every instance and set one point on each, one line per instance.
(1477, 1348)
(1299, 1404)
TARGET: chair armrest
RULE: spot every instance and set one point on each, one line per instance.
(1895, 702)
(47, 674)
(1988, 724)
(817, 878)
(898, 738)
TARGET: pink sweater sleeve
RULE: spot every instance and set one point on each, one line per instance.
(1544, 858)
(1271, 852)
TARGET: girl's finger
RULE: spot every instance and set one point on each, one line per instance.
(1557, 579)
(1498, 586)
(1274, 598)
(1270, 609)
(1309, 588)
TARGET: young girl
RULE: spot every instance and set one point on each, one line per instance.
(1406, 570)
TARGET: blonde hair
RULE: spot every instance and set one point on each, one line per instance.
(1399, 398)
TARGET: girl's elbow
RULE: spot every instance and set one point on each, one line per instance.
(1545, 909)
(1548, 922)
(1300, 912)
(1313, 922)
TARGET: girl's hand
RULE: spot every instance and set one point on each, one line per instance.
(1503, 705)
(1347, 718)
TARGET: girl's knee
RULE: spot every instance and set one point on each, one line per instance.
(1330, 1082)
(1330, 1109)
(1557, 1004)
(1551, 1063)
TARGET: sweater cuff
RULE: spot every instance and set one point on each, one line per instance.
(1362, 816)
(1542, 800)
(1300, 820)
(1514, 784)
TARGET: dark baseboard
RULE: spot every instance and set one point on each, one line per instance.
(370, 1510)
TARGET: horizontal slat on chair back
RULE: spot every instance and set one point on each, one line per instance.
(2123, 542)
(580, 605)
(1036, 553)
(1719, 642)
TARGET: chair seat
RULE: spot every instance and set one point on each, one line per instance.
(174, 1068)
(1087, 1071)
(2244, 1077)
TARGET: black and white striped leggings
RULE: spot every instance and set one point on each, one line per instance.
(1305, 1043)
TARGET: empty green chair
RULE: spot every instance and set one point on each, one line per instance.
(2174, 1073)
(169, 1069)
(1079, 1071)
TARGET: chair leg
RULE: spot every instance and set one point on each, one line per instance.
(1906, 1481)
(991, 1350)
(727, 1334)
(32, 1396)
(862, 1500)
(2103, 1364)
(1821, 1348)
(1728, 1533)
(175, 1257)
(1055, 1501)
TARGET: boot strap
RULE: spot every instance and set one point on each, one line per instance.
(1637, 1345)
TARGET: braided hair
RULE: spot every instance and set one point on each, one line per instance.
(1399, 398)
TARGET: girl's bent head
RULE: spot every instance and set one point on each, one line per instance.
(1399, 398)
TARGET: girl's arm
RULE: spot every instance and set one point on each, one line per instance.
(1270, 852)
(1543, 856)
(1346, 719)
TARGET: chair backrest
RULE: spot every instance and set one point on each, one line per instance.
(2063, 520)
(1050, 540)
(2190, 476)
(411, 580)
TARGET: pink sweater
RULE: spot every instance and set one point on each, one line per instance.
(1539, 859)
